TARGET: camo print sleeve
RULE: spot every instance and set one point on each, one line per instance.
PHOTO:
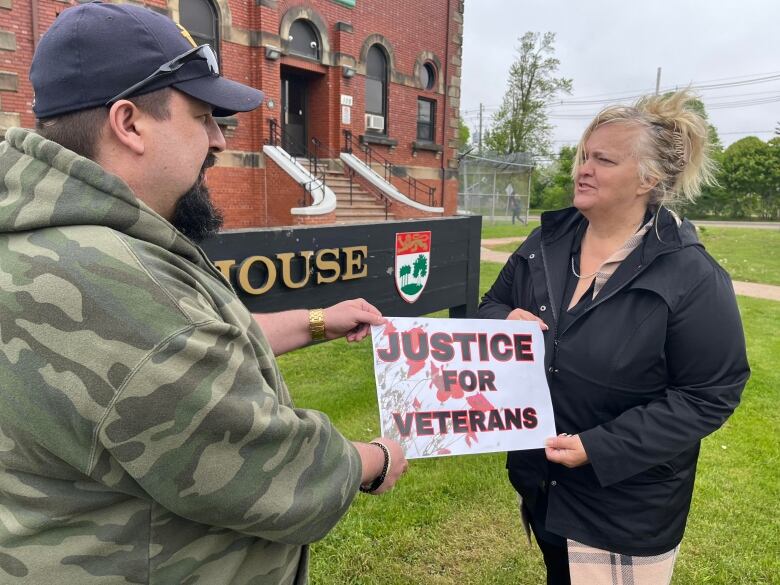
(202, 433)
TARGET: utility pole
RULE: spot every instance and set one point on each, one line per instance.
(480, 128)
(658, 81)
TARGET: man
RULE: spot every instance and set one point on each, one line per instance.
(146, 433)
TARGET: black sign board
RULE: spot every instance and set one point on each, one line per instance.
(276, 269)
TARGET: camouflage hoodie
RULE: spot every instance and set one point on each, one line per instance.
(146, 434)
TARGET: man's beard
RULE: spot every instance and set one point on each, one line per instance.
(195, 215)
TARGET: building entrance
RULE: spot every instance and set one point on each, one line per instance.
(294, 106)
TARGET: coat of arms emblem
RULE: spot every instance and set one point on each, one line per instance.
(412, 263)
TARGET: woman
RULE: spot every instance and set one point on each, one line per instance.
(645, 353)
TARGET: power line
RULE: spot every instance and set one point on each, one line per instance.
(705, 85)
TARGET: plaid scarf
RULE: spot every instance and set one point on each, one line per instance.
(611, 264)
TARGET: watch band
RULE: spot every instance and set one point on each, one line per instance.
(317, 324)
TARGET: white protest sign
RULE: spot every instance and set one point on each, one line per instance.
(461, 386)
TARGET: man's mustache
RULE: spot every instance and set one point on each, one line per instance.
(211, 160)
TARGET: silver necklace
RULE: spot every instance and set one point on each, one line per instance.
(574, 272)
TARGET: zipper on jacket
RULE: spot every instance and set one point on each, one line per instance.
(553, 307)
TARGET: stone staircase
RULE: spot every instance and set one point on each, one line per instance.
(364, 207)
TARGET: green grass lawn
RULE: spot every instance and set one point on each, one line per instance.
(453, 520)
(507, 230)
(750, 255)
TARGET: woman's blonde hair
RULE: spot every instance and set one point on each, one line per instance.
(673, 148)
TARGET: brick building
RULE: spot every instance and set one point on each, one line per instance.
(339, 75)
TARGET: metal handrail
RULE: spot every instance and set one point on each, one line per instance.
(275, 138)
(416, 191)
(351, 174)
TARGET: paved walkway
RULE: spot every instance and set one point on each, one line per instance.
(748, 289)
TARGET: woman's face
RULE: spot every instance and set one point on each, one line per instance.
(608, 178)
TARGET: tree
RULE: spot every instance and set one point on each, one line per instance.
(698, 106)
(560, 189)
(714, 199)
(404, 272)
(521, 124)
(751, 176)
(463, 135)
(420, 267)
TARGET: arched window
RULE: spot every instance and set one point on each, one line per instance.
(201, 19)
(428, 76)
(376, 88)
(304, 40)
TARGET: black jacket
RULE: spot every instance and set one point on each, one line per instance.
(655, 364)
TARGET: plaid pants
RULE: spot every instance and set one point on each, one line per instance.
(593, 566)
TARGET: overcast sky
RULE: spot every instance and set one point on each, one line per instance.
(611, 48)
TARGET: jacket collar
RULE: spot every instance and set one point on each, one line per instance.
(557, 235)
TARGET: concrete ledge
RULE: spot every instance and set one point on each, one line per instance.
(377, 139)
(324, 200)
(9, 120)
(240, 159)
(7, 41)
(417, 145)
(9, 81)
(389, 190)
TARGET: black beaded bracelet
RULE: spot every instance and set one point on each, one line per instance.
(380, 479)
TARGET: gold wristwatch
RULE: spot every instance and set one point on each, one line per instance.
(317, 324)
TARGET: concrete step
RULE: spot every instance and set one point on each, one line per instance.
(345, 202)
(362, 208)
(356, 194)
(365, 200)
(363, 219)
(360, 212)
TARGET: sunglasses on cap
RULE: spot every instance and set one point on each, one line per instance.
(201, 53)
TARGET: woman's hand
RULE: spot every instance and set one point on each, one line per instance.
(523, 315)
(566, 450)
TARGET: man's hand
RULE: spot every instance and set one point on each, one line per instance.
(523, 315)
(373, 459)
(566, 450)
(289, 330)
(351, 319)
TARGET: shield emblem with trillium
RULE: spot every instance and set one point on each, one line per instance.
(412, 263)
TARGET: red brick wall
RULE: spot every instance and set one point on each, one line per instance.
(237, 193)
(283, 194)
(409, 26)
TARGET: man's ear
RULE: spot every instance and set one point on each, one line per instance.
(123, 122)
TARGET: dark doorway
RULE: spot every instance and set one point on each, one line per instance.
(294, 138)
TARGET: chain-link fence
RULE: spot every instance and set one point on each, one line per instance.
(498, 187)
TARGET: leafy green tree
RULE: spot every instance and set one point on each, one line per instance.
(541, 178)
(698, 106)
(521, 124)
(464, 136)
(420, 267)
(560, 188)
(404, 273)
(750, 174)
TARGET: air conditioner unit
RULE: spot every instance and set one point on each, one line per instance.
(375, 122)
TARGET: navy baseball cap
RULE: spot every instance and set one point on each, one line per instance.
(96, 51)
